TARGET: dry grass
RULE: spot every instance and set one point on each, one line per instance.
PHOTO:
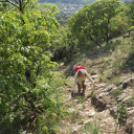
(107, 66)
(106, 61)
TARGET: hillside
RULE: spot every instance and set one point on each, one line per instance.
(37, 57)
(68, 1)
(72, 1)
(109, 108)
(69, 6)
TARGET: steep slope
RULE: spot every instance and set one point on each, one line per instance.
(109, 108)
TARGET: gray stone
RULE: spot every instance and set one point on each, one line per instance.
(126, 98)
(129, 125)
(121, 82)
(109, 89)
(128, 90)
(75, 132)
(120, 98)
(124, 84)
(113, 110)
(127, 82)
(99, 102)
(113, 89)
(101, 95)
(130, 110)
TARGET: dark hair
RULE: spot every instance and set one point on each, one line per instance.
(80, 72)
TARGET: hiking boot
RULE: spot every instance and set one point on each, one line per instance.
(72, 94)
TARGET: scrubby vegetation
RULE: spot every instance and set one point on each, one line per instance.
(32, 43)
(29, 90)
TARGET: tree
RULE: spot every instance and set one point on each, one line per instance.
(64, 46)
(130, 12)
(95, 22)
(25, 68)
(20, 4)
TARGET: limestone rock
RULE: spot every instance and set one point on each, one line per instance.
(130, 125)
(130, 110)
(127, 82)
(113, 110)
(100, 102)
(75, 132)
(121, 97)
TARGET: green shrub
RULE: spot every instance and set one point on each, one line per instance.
(130, 101)
(92, 127)
(116, 93)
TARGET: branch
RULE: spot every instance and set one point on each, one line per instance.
(1, 40)
(94, 40)
(10, 3)
(2, 91)
(25, 4)
(32, 104)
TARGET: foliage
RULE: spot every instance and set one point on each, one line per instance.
(28, 95)
(120, 114)
(62, 17)
(131, 12)
(129, 63)
(130, 101)
(64, 46)
(93, 127)
(116, 81)
(116, 93)
(121, 111)
(98, 22)
(93, 94)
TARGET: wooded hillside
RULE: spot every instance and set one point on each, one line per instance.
(68, 1)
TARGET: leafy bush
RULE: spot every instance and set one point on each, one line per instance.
(98, 22)
(120, 114)
(28, 95)
(130, 101)
(129, 63)
(121, 111)
(64, 46)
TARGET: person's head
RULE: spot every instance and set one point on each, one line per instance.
(80, 72)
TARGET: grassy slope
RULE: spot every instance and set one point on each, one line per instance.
(107, 61)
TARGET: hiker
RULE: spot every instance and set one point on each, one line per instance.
(80, 77)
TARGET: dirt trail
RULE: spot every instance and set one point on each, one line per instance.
(99, 107)
(86, 112)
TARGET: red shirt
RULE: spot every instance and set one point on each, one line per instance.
(78, 68)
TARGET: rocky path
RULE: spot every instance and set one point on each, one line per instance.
(99, 109)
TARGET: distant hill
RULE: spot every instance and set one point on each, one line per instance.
(70, 6)
(68, 1)
(72, 1)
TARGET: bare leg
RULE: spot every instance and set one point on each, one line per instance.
(79, 88)
(83, 86)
